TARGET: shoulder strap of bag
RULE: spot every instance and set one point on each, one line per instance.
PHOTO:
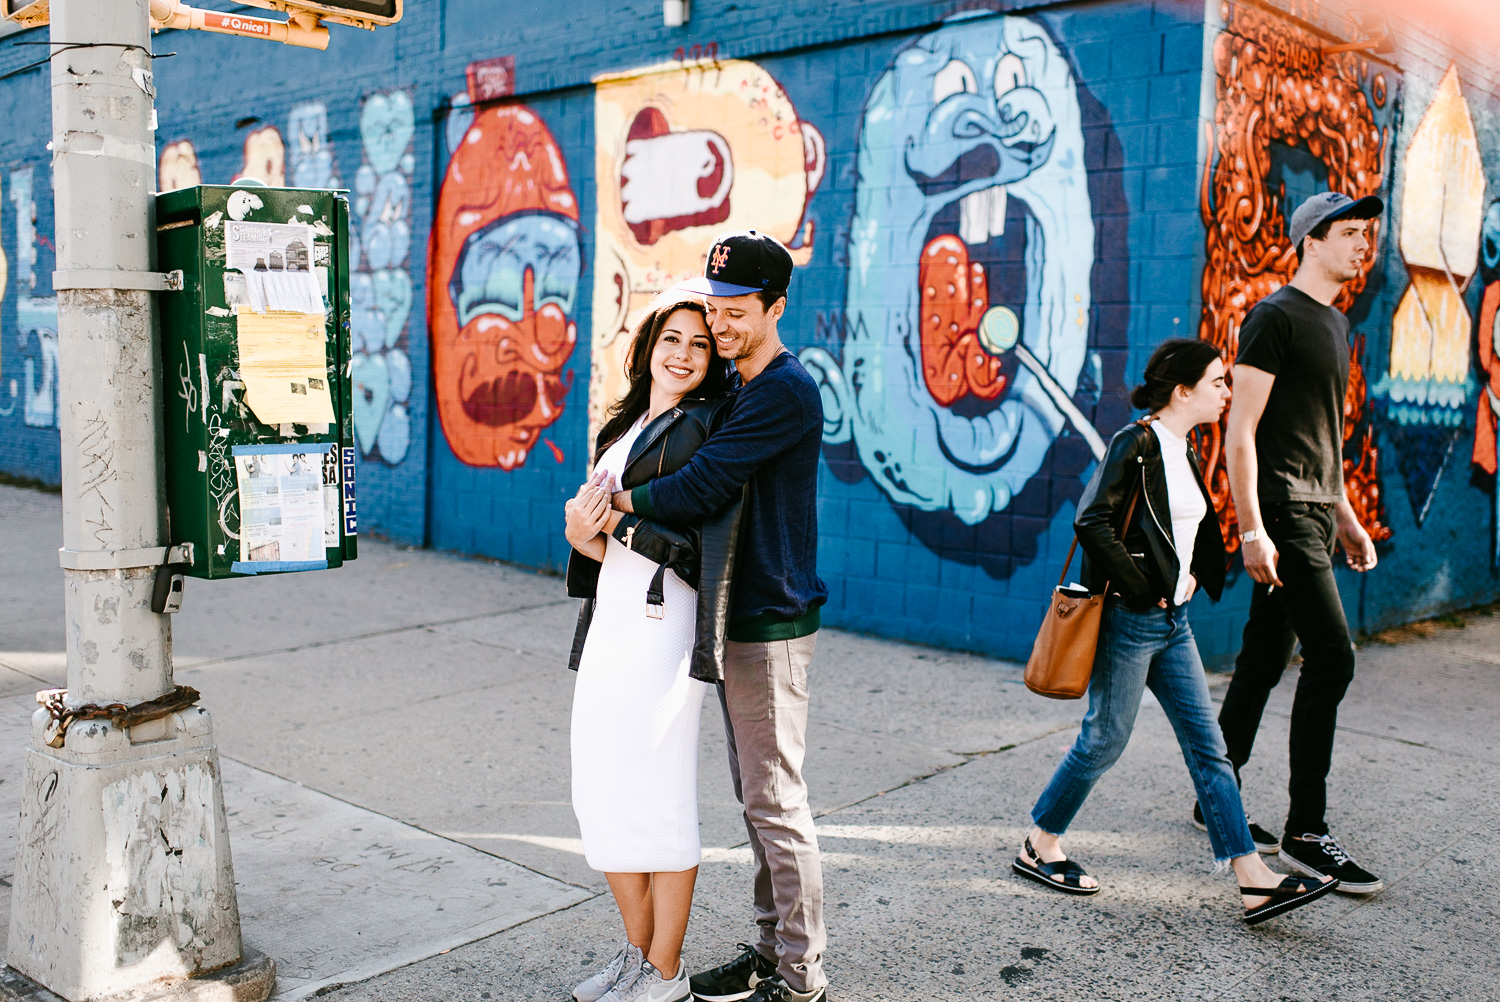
(1124, 526)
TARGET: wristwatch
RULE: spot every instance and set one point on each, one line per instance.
(1251, 536)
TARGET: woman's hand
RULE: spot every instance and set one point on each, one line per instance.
(585, 516)
(1192, 588)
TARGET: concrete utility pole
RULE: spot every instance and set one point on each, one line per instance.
(123, 872)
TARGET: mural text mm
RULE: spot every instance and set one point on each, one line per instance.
(971, 261)
(1429, 381)
(36, 316)
(1289, 121)
(380, 289)
(685, 152)
(502, 286)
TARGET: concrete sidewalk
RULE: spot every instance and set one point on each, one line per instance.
(428, 694)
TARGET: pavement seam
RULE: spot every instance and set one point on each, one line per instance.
(376, 633)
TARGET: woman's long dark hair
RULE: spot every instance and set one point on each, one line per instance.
(1176, 362)
(637, 399)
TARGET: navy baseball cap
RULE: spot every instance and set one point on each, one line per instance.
(1330, 205)
(742, 262)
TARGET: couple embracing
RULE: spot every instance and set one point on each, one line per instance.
(694, 549)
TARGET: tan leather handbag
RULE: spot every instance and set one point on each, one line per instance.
(1062, 659)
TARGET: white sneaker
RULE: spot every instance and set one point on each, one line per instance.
(625, 964)
(649, 986)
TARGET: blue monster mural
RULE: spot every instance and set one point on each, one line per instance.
(971, 261)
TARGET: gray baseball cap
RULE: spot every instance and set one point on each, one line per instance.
(1330, 205)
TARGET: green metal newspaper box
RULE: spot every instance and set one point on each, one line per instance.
(256, 351)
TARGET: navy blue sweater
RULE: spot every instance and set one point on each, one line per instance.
(770, 441)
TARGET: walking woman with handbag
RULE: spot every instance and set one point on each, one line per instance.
(1150, 539)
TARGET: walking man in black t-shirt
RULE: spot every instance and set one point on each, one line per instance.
(1284, 450)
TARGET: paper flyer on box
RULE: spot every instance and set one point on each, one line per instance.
(282, 508)
(284, 365)
(276, 261)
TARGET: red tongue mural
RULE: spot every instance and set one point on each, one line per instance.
(954, 298)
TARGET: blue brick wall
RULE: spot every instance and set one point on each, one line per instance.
(910, 554)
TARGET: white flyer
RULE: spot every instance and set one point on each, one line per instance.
(282, 509)
(276, 260)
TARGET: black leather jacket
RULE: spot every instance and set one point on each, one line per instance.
(1143, 568)
(701, 555)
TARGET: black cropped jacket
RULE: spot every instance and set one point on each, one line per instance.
(1142, 569)
(701, 555)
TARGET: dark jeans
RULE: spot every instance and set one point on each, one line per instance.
(1306, 608)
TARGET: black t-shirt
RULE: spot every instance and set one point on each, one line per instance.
(1299, 443)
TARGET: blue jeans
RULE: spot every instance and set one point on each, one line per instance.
(1136, 650)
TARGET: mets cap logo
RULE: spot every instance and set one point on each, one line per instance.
(720, 258)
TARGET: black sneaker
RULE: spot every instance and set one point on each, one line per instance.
(773, 989)
(1264, 841)
(735, 980)
(1321, 855)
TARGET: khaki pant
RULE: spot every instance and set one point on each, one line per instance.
(764, 697)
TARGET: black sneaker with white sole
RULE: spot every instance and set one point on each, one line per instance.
(735, 980)
(773, 989)
(1264, 841)
(1321, 855)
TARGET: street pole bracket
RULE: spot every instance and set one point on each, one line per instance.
(150, 281)
(114, 560)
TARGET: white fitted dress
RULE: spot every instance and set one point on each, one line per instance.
(635, 716)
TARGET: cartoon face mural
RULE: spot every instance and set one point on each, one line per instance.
(970, 261)
(265, 157)
(380, 289)
(177, 167)
(1267, 136)
(683, 154)
(502, 289)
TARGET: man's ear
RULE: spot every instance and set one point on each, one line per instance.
(777, 309)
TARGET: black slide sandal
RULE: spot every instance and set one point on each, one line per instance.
(1042, 873)
(1284, 897)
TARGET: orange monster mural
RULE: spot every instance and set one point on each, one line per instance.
(503, 270)
(1275, 85)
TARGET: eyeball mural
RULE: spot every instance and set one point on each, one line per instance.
(684, 153)
(971, 253)
(503, 286)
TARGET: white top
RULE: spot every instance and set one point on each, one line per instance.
(1186, 500)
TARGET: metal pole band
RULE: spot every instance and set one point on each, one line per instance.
(150, 281)
(113, 560)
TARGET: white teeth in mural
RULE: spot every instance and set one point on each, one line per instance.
(981, 215)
